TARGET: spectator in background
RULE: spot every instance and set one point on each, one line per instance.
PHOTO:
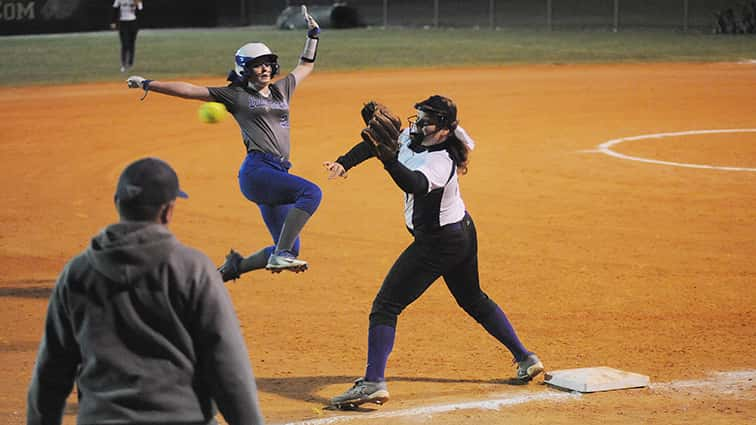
(731, 25)
(125, 19)
(719, 23)
(143, 324)
(747, 24)
(725, 22)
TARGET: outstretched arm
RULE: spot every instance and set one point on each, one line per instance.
(364, 149)
(359, 153)
(171, 88)
(307, 60)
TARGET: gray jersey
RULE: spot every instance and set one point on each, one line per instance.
(264, 121)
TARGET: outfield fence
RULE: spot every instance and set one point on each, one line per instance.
(699, 15)
(48, 16)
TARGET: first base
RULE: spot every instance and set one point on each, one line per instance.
(593, 379)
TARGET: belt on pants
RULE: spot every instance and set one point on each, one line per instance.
(451, 227)
(270, 157)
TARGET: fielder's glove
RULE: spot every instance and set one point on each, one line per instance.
(382, 132)
(313, 29)
(368, 110)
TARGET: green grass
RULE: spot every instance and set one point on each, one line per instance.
(89, 57)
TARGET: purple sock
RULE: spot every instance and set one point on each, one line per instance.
(500, 328)
(380, 344)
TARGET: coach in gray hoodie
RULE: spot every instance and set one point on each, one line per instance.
(142, 324)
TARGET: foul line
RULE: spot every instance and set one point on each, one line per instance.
(606, 148)
(493, 404)
(738, 384)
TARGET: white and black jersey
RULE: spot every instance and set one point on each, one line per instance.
(445, 245)
(126, 10)
(442, 203)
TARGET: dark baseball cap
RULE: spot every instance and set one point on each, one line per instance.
(148, 181)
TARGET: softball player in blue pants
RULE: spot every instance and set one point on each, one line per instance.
(265, 180)
(261, 108)
(432, 153)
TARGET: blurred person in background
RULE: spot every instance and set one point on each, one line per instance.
(124, 18)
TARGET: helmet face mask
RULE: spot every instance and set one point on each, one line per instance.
(437, 111)
(440, 110)
(418, 123)
(251, 55)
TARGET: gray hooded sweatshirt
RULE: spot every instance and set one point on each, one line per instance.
(146, 329)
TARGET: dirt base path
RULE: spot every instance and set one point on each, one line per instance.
(597, 260)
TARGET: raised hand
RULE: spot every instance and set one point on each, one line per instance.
(313, 29)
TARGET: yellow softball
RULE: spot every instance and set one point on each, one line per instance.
(212, 112)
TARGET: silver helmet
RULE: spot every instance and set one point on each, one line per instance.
(250, 55)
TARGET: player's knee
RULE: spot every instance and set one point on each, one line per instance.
(384, 312)
(316, 195)
(382, 318)
(310, 198)
(479, 308)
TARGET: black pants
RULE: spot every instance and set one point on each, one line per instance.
(127, 32)
(451, 253)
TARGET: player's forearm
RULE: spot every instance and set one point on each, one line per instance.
(303, 70)
(307, 60)
(179, 89)
(359, 153)
(310, 51)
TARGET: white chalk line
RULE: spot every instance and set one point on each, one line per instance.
(739, 384)
(734, 384)
(605, 148)
(492, 404)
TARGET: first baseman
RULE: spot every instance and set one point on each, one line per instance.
(425, 161)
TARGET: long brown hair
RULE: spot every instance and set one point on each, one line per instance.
(458, 151)
(444, 111)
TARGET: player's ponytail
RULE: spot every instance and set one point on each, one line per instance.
(459, 152)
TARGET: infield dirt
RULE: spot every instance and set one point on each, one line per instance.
(597, 261)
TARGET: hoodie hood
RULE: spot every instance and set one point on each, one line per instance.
(125, 251)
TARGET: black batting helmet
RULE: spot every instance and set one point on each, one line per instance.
(442, 111)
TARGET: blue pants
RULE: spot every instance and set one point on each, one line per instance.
(265, 180)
